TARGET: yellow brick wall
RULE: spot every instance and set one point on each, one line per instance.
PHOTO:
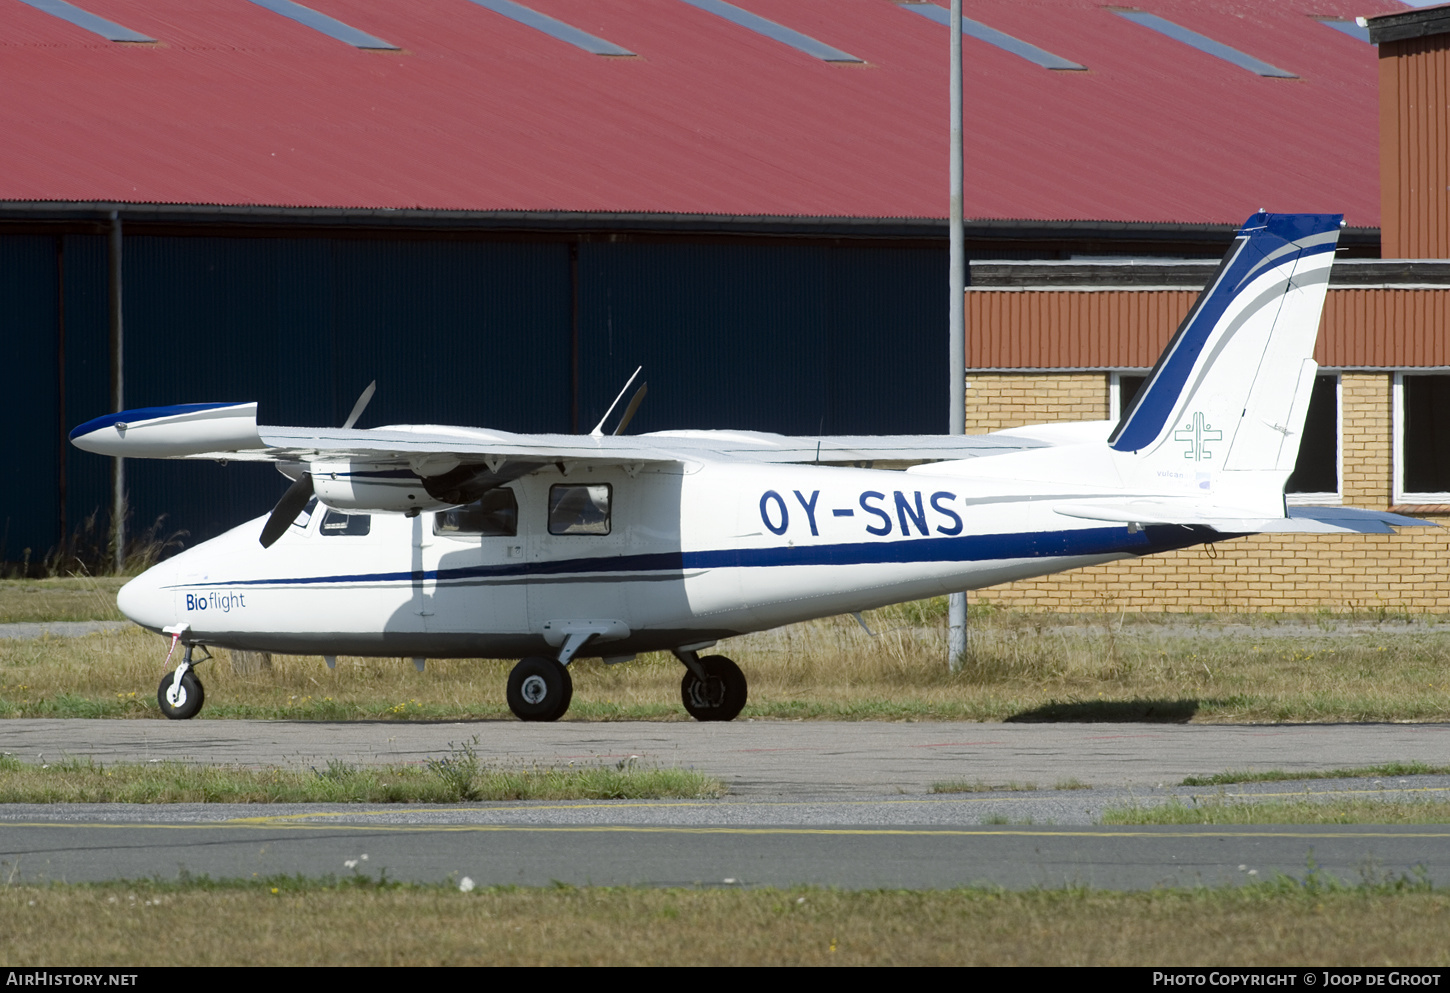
(1365, 399)
(1405, 571)
(1010, 400)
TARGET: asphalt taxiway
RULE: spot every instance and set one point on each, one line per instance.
(836, 804)
(760, 759)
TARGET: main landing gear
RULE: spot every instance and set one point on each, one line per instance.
(540, 689)
(180, 694)
(713, 688)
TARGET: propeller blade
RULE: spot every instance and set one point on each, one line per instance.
(287, 509)
(634, 403)
(598, 431)
(360, 406)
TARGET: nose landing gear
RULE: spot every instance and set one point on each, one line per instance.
(180, 694)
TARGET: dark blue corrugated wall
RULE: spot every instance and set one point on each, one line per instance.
(29, 403)
(778, 336)
(453, 332)
(791, 338)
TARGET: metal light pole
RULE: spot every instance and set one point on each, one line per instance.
(118, 397)
(957, 355)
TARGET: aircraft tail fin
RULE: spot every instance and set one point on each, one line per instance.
(1228, 397)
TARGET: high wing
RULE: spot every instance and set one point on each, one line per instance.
(229, 431)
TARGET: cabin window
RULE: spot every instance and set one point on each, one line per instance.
(495, 514)
(1316, 473)
(335, 523)
(579, 509)
(1422, 438)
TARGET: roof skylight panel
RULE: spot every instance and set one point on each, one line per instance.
(1204, 43)
(318, 21)
(1004, 41)
(778, 32)
(85, 19)
(556, 29)
(1349, 27)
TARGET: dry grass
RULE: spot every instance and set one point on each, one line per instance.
(1024, 667)
(72, 598)
(354, 922)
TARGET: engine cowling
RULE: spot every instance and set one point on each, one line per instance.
(359, 487)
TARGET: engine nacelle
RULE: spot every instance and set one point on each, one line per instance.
(359, 487)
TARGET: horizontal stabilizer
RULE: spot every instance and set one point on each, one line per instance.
(1359, 520)
(1228, 520)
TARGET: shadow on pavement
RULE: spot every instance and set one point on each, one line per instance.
(1110, 712)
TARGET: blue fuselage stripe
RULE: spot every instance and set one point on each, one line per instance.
(968, 548)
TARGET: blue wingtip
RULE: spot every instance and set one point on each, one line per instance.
(140, 414)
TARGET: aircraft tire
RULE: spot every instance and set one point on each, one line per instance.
(539, 689)
(720, 696)
(192, 696)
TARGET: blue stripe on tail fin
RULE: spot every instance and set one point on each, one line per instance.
(1266, 244)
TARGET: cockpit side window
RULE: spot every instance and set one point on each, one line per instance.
(335, 523)
(579, 509)
(305, 518)
(495, 514)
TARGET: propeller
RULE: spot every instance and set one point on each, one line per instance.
(295, 499)
(634, 403)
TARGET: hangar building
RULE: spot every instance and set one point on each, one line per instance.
(498, 210)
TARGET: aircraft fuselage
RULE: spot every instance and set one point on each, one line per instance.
(670, 555)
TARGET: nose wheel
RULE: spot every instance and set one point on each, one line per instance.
(181, 701)
(180, 694)
(713, 689)
(539, 689)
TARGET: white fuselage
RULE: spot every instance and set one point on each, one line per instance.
(695, 551)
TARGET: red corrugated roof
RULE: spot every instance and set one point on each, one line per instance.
(238, 105)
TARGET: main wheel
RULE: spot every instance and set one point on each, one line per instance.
(720, 696)
(188, 700)
(539, 690)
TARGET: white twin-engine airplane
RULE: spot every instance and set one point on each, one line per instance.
(456, 542)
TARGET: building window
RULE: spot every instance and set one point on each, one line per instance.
(1422, 438)
(1316, 475)
(1123, 389)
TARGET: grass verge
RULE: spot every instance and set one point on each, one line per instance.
(360, 921)
(457, 778)
(981, 786)
(1388, 770)
(1023, 667)
(1218, 810)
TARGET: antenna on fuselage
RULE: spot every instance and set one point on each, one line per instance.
(598, 431)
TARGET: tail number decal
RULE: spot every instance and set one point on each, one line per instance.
(905, 513)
